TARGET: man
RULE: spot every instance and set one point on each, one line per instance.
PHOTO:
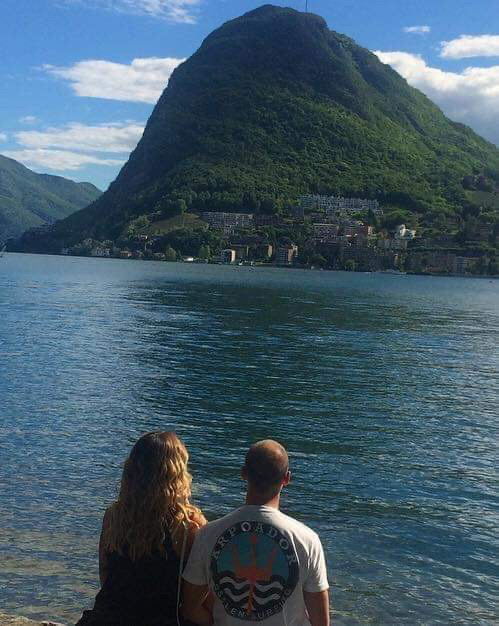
(260, 565)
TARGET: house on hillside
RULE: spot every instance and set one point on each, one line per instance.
(286, 255)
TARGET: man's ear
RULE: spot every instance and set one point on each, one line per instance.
(287, 479)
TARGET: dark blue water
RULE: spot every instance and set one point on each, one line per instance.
(383, 388)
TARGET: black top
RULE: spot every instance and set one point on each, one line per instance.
(138, 593)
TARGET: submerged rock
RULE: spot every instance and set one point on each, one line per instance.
(11, 620)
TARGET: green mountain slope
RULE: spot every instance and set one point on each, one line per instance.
(30, 200)
(274, 105)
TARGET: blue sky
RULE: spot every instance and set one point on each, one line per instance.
(79, 78)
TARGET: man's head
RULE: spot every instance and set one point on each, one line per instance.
(266, 468)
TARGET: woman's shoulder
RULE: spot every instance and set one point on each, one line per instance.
(197, 519)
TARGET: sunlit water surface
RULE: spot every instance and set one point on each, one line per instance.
(384, 389)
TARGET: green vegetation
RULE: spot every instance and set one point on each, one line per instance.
(30, 200)
(274, 105)
(170, 254)
(164, 226)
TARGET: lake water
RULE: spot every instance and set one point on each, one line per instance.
(383, 388)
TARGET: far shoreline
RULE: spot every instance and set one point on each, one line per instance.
(262, 265)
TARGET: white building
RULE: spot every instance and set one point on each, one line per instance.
(338, 205)
(402, 232)
(228, 256)
(285, 255)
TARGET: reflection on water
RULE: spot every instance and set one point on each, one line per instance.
(383, 388)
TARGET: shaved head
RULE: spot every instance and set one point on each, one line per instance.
(266, 466)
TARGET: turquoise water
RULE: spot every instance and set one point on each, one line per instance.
(384, 389)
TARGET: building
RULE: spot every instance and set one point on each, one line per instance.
(309, 202)
(241, 250)
(228, 221)
(228, 256)
(440, 262)
(316, 217)
(100, 252)
(357, 229)
(267, 220)
(401, 232)
(297, 213)
(262, 251)
(463, 264)
(393, 244)
(286, 255)
(338, 205)
(369, 259)
(325, 232)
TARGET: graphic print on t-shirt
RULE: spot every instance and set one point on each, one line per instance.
(254, 569)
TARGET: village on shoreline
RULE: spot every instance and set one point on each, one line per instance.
(334, 232)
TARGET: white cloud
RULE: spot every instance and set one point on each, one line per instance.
(28, 119)
(114, 138)
(141, 81)
(76, 145)
(58, 160)
(417, 30)
(3, 137)
(471, 96)
(173, 10)
(468, 46)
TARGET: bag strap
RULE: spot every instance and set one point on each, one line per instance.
(181, 568)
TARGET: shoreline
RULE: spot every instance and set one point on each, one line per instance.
(15, 620)
(271, 265)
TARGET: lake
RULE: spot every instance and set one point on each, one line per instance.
(384, 389)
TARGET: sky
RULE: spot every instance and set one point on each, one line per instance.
(79, 78)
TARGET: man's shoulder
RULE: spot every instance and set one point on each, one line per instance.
(221, 522)
(299, 528)
(285, 522)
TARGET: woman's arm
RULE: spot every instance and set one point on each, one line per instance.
(103, 562)
(193, 604)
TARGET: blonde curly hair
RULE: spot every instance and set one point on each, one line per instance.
(154, 497)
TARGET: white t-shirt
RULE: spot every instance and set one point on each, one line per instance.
(258, 561)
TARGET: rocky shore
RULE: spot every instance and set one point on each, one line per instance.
(10, 620)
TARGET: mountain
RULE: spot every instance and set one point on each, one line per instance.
(30, 200)
(274, 105)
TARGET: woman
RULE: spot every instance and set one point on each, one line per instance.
(145, 535)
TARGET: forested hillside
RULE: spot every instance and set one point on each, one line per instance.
(30, 200)
(274, 105)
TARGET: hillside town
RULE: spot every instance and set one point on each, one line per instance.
(334, 233)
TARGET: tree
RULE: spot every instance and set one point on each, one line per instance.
(483, 184)
(372, 220)
(468, 183)
(318, 260)
(170, 254)
(480, 266)
(350, 265)
(494, 267)
(268, 206)
(204, 252)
